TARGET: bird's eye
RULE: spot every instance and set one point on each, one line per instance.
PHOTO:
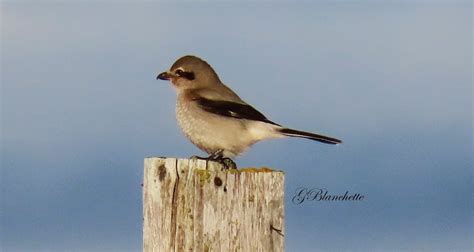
(179, 72)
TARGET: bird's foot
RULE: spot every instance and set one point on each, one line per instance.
(216, 155)
(227, 163)
(198, 157)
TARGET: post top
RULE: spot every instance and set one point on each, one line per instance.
(209, 164)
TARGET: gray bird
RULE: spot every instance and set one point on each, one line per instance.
(214, 118)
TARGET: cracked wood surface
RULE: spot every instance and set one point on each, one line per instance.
(192, 205)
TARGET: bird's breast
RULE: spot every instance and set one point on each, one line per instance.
(194, 125)
(211, 132)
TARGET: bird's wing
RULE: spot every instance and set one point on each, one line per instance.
(231, 109)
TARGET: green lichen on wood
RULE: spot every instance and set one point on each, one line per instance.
(253, 169)
(206, 247)
(204, 176)
(233, 171)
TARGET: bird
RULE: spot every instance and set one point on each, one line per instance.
(214, 118)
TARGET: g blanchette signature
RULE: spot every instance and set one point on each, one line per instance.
(321, 194)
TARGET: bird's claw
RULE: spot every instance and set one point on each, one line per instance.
(227, 163)
(224, 161)
(198, 157)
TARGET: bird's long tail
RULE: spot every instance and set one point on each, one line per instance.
(308, 135)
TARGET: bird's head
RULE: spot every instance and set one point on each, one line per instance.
(190, 72)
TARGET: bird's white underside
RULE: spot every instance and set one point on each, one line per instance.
(233, 135)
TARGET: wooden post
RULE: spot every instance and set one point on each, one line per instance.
(192, 205)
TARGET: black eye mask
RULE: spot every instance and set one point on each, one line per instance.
(186, 75)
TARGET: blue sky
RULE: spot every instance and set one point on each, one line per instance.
(81, 109)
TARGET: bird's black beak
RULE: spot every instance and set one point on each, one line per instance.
(164, 76)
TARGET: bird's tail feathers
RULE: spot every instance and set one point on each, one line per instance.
(308, 135)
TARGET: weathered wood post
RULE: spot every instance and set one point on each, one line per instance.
(193, 205)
